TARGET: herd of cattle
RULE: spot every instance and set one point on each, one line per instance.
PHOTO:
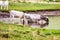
(29, 19)
(25, 18)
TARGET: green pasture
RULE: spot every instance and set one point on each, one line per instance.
(32, 6)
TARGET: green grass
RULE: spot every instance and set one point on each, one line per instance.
(32, 6)
(18, 32)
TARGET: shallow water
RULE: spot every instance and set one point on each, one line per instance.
(54, 23)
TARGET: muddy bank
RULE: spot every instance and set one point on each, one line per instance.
(41, 12)
(45, 12)
(4, 14)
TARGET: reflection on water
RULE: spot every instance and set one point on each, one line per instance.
(18, 21)
(37, 26)
(54, 23)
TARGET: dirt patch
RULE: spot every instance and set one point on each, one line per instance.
(41, 12)
(4, 14)
(45, 12)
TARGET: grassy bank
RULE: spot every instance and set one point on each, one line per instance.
(18, 32)
(32, 6)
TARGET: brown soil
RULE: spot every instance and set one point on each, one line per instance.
(41, 12)
(45, 12)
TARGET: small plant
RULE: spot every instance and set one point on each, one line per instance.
(5, 35)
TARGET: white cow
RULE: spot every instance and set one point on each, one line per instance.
(36, 18)
(4, 4)
(33, 16)
(16, 14)
(1, 3)
(28, 19)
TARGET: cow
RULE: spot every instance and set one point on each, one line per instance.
(37, 19)
(29, 19)
(4, 4)
(16, 14)
(43, 21)
(1, 3)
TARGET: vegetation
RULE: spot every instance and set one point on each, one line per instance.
(18, 32)
(35, 0)
(57, 0)
(32, 6)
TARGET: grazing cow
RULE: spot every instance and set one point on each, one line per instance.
(4, 4)
(29, 19)
(16, 14)
(37, 19)
(1, 3)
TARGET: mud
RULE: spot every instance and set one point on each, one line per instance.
(45, 12)
(40, 12)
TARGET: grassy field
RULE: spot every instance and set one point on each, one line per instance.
(18, 32)
(32, 6)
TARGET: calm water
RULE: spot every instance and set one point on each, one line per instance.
(54, 23)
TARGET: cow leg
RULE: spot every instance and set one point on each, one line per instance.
(1, 7)
(6, 7)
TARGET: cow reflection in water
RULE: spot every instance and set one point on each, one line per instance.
(30, 19)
